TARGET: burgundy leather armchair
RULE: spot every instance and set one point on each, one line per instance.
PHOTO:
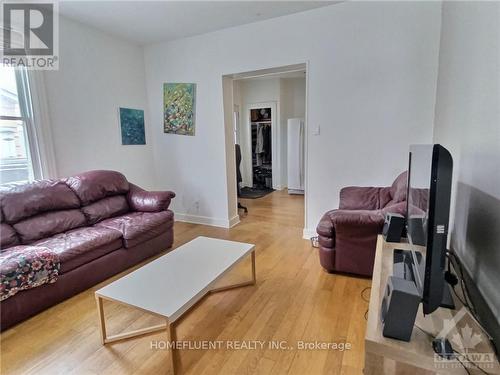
(348, 236)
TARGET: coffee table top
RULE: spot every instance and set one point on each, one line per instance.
(171, 284)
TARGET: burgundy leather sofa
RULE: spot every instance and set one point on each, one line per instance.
(348, 236)
(97, 222)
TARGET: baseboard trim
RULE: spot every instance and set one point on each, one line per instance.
(235, 220)
(307, 233)
(206, 220)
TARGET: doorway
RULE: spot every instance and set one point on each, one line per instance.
(266, 100)
(259, 144)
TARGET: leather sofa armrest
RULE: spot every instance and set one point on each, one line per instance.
(349, 221)
(325, 226)
(363, 198)
(148, 201)
(355, 239)
(349, 224)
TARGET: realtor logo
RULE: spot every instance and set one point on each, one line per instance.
(29, 35)
(465, 341)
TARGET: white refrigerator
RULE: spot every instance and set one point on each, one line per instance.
(295, 152)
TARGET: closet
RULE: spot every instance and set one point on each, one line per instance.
(262, 169)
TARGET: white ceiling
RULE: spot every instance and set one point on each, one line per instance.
(146, 22)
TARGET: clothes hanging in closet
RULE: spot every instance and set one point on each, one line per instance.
(267, 144)
(260, 139)
(261, 144)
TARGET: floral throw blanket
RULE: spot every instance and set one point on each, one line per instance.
(26, 267)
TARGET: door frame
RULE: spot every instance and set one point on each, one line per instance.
(227, 94)
(275, 143)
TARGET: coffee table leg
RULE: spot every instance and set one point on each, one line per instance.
(239, 285)
(174, 355)
(102, 322)
(254, 278)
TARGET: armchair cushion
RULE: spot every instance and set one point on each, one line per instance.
(363, 198)
(395, 208)
(148, 201)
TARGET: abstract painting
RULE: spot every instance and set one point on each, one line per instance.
(179, 103)
(132, 126)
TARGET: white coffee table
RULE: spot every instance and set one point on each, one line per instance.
(170, 285)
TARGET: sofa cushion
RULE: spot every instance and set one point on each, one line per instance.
(399, 187)
(104, 208)
(138, 227)
(82, 245)
(48, 224)
(94, 185)
(22, 201)
(8, 236)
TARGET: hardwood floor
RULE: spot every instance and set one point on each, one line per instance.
(294, 300)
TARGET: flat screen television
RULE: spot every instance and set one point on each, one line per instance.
(428, 209)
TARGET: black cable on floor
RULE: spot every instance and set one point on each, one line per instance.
(463, 365)
(454, 260)
(366, 299)
(427, 333)
(469, 361)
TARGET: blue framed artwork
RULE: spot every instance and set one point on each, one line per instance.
(132, 126)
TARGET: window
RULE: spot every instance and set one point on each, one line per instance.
(19, 157)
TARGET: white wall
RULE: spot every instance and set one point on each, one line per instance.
(259, 90)
(372, 81)
(467, 122)
(97, 74)
(230, 159)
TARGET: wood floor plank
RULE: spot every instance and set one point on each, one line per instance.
(294, 300)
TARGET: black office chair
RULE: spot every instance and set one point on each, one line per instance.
(238, 176)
